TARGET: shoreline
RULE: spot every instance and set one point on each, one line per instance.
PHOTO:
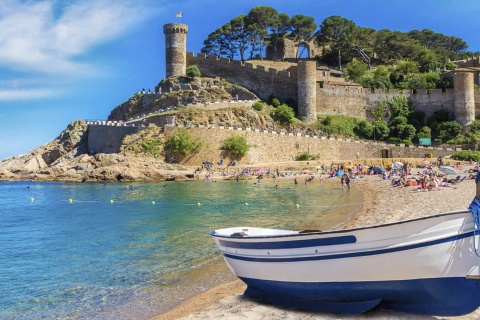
(227, 300)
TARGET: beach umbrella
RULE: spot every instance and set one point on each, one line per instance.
(378, 170)
(448, 170)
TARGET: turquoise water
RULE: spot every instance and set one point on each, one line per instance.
(113, 253)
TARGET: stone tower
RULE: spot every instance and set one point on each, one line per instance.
(463, 96)
(307, 91)
(175, 49)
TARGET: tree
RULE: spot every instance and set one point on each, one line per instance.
(362, 41)
(381, 130)
(241, 36)
(279, 28)
(237, 145)
(260, 20)
(402, 71)
(336, 32)
(449, 130)
(425, 132)
(302, 28)
(355, 70)
(365, 129)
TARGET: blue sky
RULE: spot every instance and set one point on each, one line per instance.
(63, 60)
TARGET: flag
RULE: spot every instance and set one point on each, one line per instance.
(179, 14)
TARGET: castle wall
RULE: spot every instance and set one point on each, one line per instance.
(266, 147)
(103, 138)
(430, 101)
(334, 99)
(261, 81)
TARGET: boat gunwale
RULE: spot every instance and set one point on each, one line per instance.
(212, 233)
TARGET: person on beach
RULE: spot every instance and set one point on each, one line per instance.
(347, 181)
(342, 181)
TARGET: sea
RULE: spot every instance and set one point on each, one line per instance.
(133, 251)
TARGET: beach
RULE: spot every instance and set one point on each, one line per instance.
(383, 203)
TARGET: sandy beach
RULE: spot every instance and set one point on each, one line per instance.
(383, 203)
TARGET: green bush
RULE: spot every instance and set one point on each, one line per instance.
(152, 146)
(381, 130)
(338, 124)
(181, 143)
(365, 129)
(276, 103)
(258, 106)
(306, 156)
(449, 130)
(193, 71)
(237, 145)
(466, 155)
(284, 114)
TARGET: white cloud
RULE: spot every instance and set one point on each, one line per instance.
(27, 94)
(41, 36)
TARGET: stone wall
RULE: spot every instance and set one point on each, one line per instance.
(261, 81)
(107, 137)
(267, 147)
(330, 98)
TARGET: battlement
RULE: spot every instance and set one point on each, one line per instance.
(192, 58)
(175, 28)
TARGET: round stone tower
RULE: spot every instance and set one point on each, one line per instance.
(307, 91)
(463, 96)
(175, 49)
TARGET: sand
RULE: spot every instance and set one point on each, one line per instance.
(383, 204)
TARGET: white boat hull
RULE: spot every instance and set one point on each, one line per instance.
(427, 265)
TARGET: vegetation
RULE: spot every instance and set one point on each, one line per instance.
(152, 146)
(181, 143)
(306, 156)
(258, 106)
(467, 155)
(237, 145)
(284, 114)
(193, 72)
(246, 36)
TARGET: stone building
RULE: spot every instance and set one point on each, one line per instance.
(285, 48)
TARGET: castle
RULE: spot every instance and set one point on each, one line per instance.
(315, 90)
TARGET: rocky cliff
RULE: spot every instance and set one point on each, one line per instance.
(66, 159)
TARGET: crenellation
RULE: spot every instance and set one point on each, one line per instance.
(225, 60)
(272, 70)
(284, 73)
(261, 68)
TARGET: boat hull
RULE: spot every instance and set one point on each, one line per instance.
(446, 297)
(426, 266)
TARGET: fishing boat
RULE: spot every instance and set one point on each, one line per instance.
(427, 265)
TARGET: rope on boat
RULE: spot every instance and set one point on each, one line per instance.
(474, 208)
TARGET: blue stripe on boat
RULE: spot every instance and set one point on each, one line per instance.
(292, 244)
(436, 296)
(353, 254)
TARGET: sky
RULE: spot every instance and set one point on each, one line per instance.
(64, 60)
